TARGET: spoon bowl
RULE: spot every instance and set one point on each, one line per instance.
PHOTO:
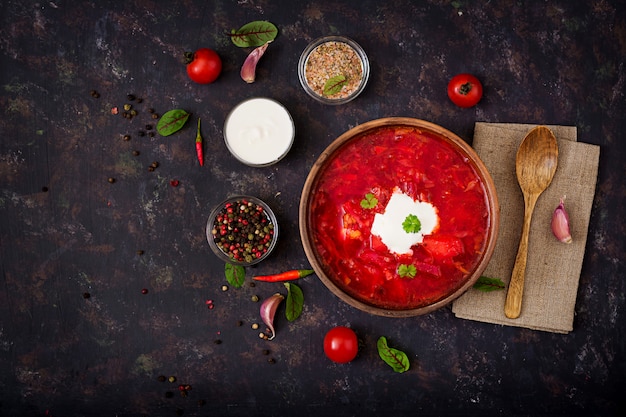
(535, 165)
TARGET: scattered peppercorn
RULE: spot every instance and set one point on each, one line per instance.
(252, 284)
(217, 341)
(133, 112)
(141, 133)
(126, 137)
(266, 352)
(174, 183)
(44, 189)
(239, 323)
(148, 127)
(254, 298)
(169, 394)
(224, 287)
(271, 361)
(131, 97)
(150, 110)
(86, 295)
(150, 169)
(127, 107)
(161, 378)
(151, 134)
(155, 116)
(144, 291)
(255, 326)
(262, 335)
(111, 180)
(94, 94)
(172, 379)
(139, 100)
(135, 153)
(155, 164)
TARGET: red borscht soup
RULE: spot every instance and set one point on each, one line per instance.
(398, 217)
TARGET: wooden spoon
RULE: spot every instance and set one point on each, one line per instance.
(535, 165)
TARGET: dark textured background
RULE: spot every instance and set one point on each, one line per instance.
(65, 230)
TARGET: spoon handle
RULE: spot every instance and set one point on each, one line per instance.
(513, 304)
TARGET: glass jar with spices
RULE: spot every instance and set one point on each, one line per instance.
(333, 69)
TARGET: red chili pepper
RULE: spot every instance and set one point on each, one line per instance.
(199, 145)
(285, 276)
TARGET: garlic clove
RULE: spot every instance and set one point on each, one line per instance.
(248, 70)
(268, 310)
(560, 223)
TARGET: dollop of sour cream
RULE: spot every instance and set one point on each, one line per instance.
(388, 225)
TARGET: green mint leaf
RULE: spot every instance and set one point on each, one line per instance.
(411, 224)
(369, 201)
(254, 34)
(407, 271)
(334, 85)
(395, 358)
(295, 301)
(487, 284)
(235, 275)
(172, 122)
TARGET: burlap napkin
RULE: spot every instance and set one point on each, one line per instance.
(553, 268)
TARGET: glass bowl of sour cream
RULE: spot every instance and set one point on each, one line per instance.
(259, 131)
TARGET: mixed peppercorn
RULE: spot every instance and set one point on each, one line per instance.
(243, 230)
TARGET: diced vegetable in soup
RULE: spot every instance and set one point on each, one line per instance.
(399, 218)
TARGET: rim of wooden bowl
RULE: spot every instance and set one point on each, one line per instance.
(313, 178)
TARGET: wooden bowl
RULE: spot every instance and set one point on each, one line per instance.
(381, 158)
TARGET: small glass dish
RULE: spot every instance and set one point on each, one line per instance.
(333, 60)
(242, 230)
(259, 131)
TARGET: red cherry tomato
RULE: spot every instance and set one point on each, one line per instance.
(205, 67)
(465, 90)
(341, 344)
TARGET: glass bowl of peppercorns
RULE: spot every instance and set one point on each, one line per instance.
(242, 230)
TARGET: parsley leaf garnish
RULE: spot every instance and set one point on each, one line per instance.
(411, 224)
(407, 271)
(369, 201)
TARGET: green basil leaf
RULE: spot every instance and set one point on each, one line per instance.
(255, 33)
(235, 275)
(487, 284)
(392, 357)
(334, 85)
(172, 122)
(295, 301)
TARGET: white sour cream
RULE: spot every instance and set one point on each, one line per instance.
(259, 131)
(388, 225)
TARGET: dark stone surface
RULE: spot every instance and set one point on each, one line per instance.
(66, 231)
